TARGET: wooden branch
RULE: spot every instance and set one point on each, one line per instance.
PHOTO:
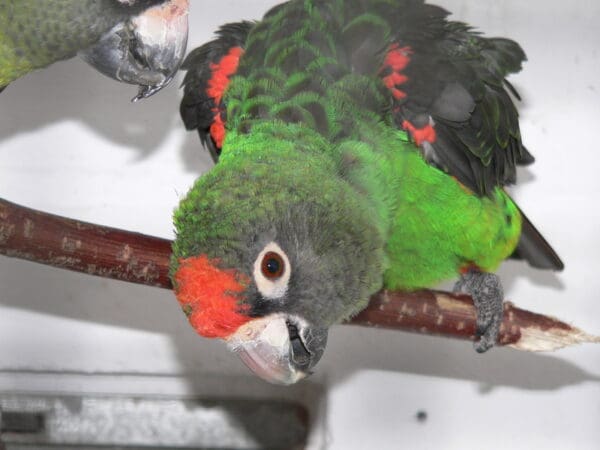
(83, 247)
(453, 315)
(127, 256)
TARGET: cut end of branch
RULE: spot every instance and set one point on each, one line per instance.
(453, 315)
(535, 339)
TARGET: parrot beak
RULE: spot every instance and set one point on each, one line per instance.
(146, 50)
(279, 348)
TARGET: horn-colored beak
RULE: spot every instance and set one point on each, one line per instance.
(280, 349)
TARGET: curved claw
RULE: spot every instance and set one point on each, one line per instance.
(146, 50)
(149, 91)
(280, 349)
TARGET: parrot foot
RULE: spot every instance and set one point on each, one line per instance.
(488, 296)
(148, 91)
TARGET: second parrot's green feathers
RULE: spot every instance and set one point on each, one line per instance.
(35, 34)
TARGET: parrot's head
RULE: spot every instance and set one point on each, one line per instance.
(147, 49)
(269, 255)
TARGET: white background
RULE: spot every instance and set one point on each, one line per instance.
(72, 144)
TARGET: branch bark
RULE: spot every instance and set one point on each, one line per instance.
(137, 258)
(83, 247)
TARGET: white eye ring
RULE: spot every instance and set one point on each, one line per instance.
(275, 286)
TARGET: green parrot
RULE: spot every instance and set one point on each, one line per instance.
(361, 144)
(134, 41)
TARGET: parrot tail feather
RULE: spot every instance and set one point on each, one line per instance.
(534, 248)
(525, 158)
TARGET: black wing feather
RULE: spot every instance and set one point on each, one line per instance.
(456, 79)
(535, 249)
(197, 108)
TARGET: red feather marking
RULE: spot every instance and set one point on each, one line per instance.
(396, 60)
(217, 129)
(221, 73)
(397, 57)
(420, 135)
(211, 297)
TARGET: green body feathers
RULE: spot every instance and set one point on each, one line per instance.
(431, 225)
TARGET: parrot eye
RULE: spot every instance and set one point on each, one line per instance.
(272, 265)
(272, 271)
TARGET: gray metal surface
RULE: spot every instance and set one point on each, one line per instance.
(31, 422)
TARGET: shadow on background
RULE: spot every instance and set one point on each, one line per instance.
(353, 348)
(514, 270)
(73, 91)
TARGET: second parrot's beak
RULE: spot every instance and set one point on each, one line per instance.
(146, 50)
(280, 349)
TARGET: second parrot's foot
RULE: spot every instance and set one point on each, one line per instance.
(488, 297)
(148, 91)
(146, 50)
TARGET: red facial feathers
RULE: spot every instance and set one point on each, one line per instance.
(221, 73)
(210, 296)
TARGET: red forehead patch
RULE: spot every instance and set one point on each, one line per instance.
(210, 296)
